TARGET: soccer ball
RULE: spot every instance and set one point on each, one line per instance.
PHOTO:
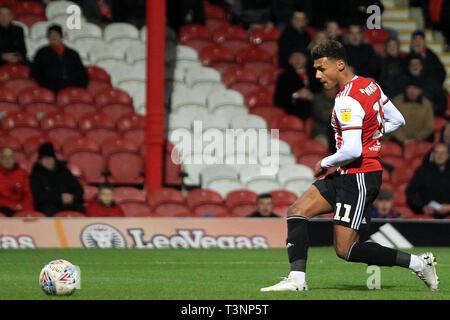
(59, 277)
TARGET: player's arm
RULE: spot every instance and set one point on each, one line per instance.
(393, 119)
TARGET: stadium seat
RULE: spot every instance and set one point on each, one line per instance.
(282, 200)
(400, 195)
(386, 178)
(248, 121)
(87, 30)
(214, 12)
(69, 214)
(119, 30)
(57, 8)
(85, 153)
(78, 110)
(214, 24)
(395, 162)
(221, 178)
(309, 160)
(132, 126)
(90, 193)
(29, 214)
(198, 44)
(113, 145)
(17, 85)
(39, 30)
(168, 202)
(261, 35)
(125, 167)
(172, 170)
(204, 203)
(21, 125)
(9, 141)
(8, 101)
(204, 78)
(188, 101)
(28, 7)
(282, 152)
(296, 178)
(135, 209)
(269, 76)
(416, 148)
(74, 95)
(112, 96)
(404, 211)
(226, 103)
(59, 125)
(192, 174)
(420, 217)
(267, 112)
(309, 147)
(234, 36)
(11, 71)
(402, 175)
(288, 125)
(31, 145)
(117, 110)
(241, 79)
(193, 32)
(98, 126)
(253, 54)
(77, 172)
(216, 56)
(391, 149)
(241, 202)
(129, 194)
(253, 177)
(186, 53)
(36, 95)
(2, 215)
(97, 73)
(103, 51)
(211, 121)
(95, 86)
(376, 38)
(260, 97)
(29, 20)
(135, 52)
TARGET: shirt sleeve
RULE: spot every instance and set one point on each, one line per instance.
(393, 119)
(350, 150)
(349, 113)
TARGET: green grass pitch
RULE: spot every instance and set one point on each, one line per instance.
(212, 274)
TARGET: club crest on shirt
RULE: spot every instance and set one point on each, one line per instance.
(346, 114)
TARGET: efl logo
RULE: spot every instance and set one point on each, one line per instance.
(230, 146)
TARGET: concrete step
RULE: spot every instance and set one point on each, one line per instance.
(444, 57)
(436, 46)
(395, 13)
(400, 24)
(406, 35)
(388, 3)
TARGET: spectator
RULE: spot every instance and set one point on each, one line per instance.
(383, 206)
(96, 11)
(333, 31)
(15, 192)
(253, 14)
(105, 206)
(56, 66)
(431, 89)
(322, 107)
(294, 36)
(445, 138)
(264, 206)
(54, 187)
(393, 63)
(12, 42)
(418, 114)
(319, 37)
(432, 66)
(361, 56)
(429, 189)
(293, 90)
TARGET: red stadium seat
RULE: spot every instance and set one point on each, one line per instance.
(400, 195)
(6, 108)
(90, 193)
(391, 149)
(98, 126)
(214, 24)
(204, 202)
(214, 12)
(35, 95)
(135, 209)
(17, 85)
(7, 95)
(59, 125)
(267, 112)
(117, 110)
(78, 110)
(98, 74)
(198, 44)
(172, 171)
(74, 95)
(215, 54)
(3, 215)
(310, 160)
(404, 211)
(439, 123)
(112, 96)
(376, 38)
(21, 125)
(79, 144)
(261, 35)
(28, 7)
(294, 140)
(287, 122)
(282, 200)
(416, 148)
(114, 145)
(95, 86)
(69, 214)
(253, 54)
(386, 177)
(269, 76)
(235, 37)
(125, 167)
(31, 19)
(40, 109)
(239, 74)
(393, 161)
(31, 145)
(194, 32)
(128, 194)
(29, 214)
(260, 97)
(77, 172)
(402, 175)
(9, 141)
(241, 202)
(12, 71)
(168, 202)
(420, 217)
(132, 126)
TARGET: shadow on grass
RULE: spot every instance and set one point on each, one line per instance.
(354, 287)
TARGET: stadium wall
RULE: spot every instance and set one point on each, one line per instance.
(153, 233)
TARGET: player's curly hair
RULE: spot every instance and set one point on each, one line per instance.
(331, 49)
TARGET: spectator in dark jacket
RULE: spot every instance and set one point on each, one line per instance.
(322, 107)
(15, 192)
(432, 90)
(294, 36)
(429, 190)
(12, 42)
(54, 187)
(97, 12)
(432, 66)
(56, 66)
(264, 206)
(393, 63)
(360, 55)
(105, 205)
(295, 86)
(253, 14)
(333, 30)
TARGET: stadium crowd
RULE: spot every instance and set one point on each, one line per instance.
(412, 80)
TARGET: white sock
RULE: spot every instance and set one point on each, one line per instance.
(416, 264)
(298, 275)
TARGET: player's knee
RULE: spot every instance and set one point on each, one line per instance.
(341, 250)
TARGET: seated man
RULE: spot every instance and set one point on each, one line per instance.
(428, 190)
(105, 205)
(15, 192)
(383, 206)
(54, 187)
(56, 66)
(264, 206)
(12, 42)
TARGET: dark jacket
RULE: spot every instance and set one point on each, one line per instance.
(56, 72)
(98, 209)
(256, 214)
(48, 186)
(391, 69)
(12, 40)
(428, 184)
(247, 12)
(291, 39)
(364, 59)
(433, 67)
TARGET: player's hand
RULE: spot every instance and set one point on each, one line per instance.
(427, 210)
(318, 170)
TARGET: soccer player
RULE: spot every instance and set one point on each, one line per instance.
(361, 115)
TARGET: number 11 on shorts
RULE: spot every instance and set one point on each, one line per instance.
(346, 217)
